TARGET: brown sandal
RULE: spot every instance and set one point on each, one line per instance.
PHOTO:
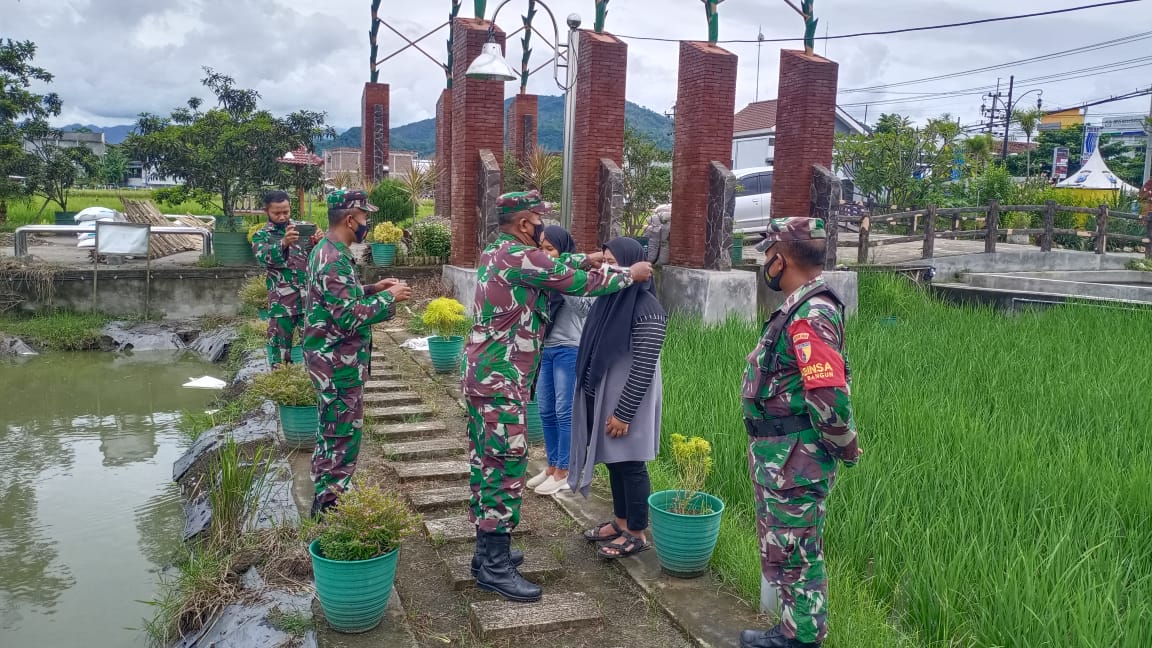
(630, 547)
(593, 534)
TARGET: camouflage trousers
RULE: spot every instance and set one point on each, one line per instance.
(280, 333)
(498, 452)
(790, 525)
(341, 423)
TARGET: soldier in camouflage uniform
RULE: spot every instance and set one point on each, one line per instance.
(799, 420)
(278, 247)
(503, 355)
(337, 342)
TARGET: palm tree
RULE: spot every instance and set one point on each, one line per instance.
(1028, 120)
(977, 149)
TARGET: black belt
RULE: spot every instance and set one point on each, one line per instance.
(778, 426)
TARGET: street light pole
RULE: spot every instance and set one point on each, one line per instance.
(569, 125)
(1007, 118)
(1148, 147)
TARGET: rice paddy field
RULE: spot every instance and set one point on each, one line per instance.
(1005, 497)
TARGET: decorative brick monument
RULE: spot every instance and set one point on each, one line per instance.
(602, 67)
(477, 123)
(705, 108)
(805, 129)
(522, 126)
(374, 131)
(444, 154)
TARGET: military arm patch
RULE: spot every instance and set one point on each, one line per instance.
(820, 364)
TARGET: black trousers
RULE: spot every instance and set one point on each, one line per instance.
(630, 490)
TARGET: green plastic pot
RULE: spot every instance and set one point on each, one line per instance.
(65, 218)
(684, 543)
(300, 425)
(737, 250)
(353, 593)
(535, 424)
(297, 354)
(233, 249)
(446, 353)
(262, 313)
(383, 254)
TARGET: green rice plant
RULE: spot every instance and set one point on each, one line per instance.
(57, 331)
(237, 486)
(190, 595)
(1003, 499)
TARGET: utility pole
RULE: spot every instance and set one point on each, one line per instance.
(991, 112)
(1007, 117)
(759, 41)
(1148, 146)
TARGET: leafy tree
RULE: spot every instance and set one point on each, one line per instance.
(58, 168)
(1126, 161)
(223, 153)
(19, 108)
(900, 164)
(1071, 137)
(647, 179)
(977, 152)
(114, 166)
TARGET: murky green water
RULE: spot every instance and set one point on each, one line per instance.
(88, 511)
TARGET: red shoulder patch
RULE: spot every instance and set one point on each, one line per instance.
(820, 364)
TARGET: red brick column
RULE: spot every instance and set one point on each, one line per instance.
(705, 105)
(805, 128)
(601, 72)
(444, 154)
(374, 130)
(523, 126)
(477, 123)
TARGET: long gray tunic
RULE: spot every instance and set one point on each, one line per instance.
(642, 443)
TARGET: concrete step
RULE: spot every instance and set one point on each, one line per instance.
(553, 612)
(539, 567)
(384, 386)
(426, 449)
(438, 498)
(417, 471)
(380, 359)
(408, 431)
(384, 374)
(388, 399)
(399, 413)
(458, 529)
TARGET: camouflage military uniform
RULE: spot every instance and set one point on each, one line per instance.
(285, 278)
(799, 384)
(337, 349)
(503, 355)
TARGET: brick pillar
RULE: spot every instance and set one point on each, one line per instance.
(477, 123)
(805, 128)
(521, 129)
(705, 105)
(374, 131)
(444, 154)
(599, 129)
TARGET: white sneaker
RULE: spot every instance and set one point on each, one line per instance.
(538, 479)
(553, 486)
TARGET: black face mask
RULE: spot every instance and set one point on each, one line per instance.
(773, 281)
(279, 227)
(361, 232)
(538, 233)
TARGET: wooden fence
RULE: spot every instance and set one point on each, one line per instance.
(923, 225)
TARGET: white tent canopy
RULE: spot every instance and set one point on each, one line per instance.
(1095, 175)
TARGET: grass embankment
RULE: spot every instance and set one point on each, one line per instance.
(1003, 499)
(60, 331)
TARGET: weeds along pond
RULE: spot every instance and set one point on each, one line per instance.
(88, 510)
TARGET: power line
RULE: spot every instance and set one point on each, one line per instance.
(901, 31)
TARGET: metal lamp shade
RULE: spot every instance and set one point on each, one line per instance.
(491, 66)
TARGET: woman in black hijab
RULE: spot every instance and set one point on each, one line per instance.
(616, 416)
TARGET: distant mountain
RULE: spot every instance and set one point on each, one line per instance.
(421, 136)
(112, 134)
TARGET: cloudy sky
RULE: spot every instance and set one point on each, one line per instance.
(116, 58)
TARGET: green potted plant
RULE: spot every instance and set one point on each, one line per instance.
(385, 236)
(686, 522)
(445, 317)
(290, 388)
(737, 249)
(355, 553)
(254, 297)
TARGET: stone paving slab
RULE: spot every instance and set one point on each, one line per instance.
(399, 413)
(415, 471)
(384, 386)
(428, 500)
(426, 449)
(553, 612)
(406, 431)
(387, 399)
(539, 567)
(459, 529)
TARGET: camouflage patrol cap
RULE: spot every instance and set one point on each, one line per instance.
(345, 199)
(792, 229)
(518, 201)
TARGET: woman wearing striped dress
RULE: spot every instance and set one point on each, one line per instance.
(616, 412)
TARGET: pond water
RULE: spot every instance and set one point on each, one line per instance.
(88, 511)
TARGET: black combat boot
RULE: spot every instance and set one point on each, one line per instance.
(498, 575)
(773, 638)
(517, 556)
(319, 509)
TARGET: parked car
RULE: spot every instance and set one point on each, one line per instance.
(753, 200)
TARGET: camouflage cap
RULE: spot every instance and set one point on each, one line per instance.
(345, 199)
(518, 201)
(792, 229)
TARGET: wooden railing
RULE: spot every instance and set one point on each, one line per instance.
(923, 227)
